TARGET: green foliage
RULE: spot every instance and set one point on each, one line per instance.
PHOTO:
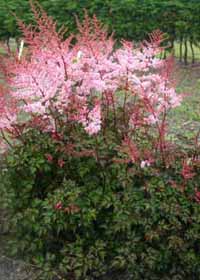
(85, 221)
(129, 19)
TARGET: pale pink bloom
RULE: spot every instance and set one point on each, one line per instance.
(79, 82)
(35, 107)
(145, 163)
(94, 120)
(151, 119)
(79, 54)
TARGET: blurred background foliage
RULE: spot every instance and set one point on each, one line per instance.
(129, 19)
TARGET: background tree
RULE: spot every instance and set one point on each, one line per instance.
(129, 19)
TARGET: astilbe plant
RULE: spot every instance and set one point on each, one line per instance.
(87, 124)
(61, 84)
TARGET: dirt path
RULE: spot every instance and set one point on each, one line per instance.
(12, 270)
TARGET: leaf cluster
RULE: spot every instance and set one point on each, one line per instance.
(85, 221)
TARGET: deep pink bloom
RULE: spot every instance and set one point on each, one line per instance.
(61, 162)
(130, 149)
(197, 196)
(187, 171)
(49, 157)
(58, 205)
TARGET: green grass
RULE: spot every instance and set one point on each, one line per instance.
(184, 121)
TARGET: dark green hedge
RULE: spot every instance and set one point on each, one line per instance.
(129, 19)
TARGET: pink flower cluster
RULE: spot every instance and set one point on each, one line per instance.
(59, 82)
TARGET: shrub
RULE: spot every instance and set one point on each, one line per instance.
(95, 189)
(74, 220)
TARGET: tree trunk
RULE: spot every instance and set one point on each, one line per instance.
(172, 47)
(165, 54)
(181, 50)
(192, 50)
(8, 44)
(186, 52)
(17, 43)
